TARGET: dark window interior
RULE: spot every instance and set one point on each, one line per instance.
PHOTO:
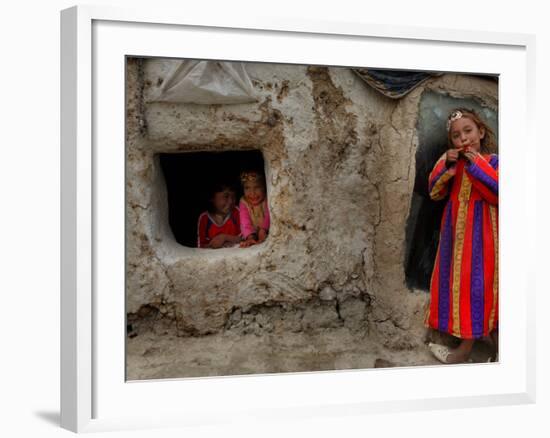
(189, 179)
(424, 222)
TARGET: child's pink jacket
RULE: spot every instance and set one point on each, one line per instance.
(247, 227)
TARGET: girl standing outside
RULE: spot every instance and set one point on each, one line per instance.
(464, 282)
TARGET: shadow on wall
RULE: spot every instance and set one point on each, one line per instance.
(189, 178)
(423, 223)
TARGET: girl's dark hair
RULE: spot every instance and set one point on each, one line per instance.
(216, 187)
(488, 142)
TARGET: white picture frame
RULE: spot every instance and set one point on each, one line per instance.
(94, 42)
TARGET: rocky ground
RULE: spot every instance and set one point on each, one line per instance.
(154, 351)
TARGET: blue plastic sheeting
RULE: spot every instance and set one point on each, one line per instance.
(397, 83)
(393, 83)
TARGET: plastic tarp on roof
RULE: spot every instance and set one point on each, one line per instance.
(393, 83)
(207, 82)
(397, 83)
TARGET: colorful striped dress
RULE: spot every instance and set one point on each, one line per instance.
(464, 282)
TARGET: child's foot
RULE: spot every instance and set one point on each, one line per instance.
(449, 356)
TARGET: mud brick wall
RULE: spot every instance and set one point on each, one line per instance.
(340, 168)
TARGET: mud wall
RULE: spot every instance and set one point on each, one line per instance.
(340, 168)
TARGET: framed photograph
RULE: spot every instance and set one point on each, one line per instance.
(291, 219)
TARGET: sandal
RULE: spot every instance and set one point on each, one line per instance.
(441, 352)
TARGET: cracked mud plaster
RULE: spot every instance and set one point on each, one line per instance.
(340, 172)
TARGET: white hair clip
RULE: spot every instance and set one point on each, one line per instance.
(455, 115)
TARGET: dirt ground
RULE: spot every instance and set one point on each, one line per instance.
(154, 352)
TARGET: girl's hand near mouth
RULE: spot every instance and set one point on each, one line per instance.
(470, 153)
